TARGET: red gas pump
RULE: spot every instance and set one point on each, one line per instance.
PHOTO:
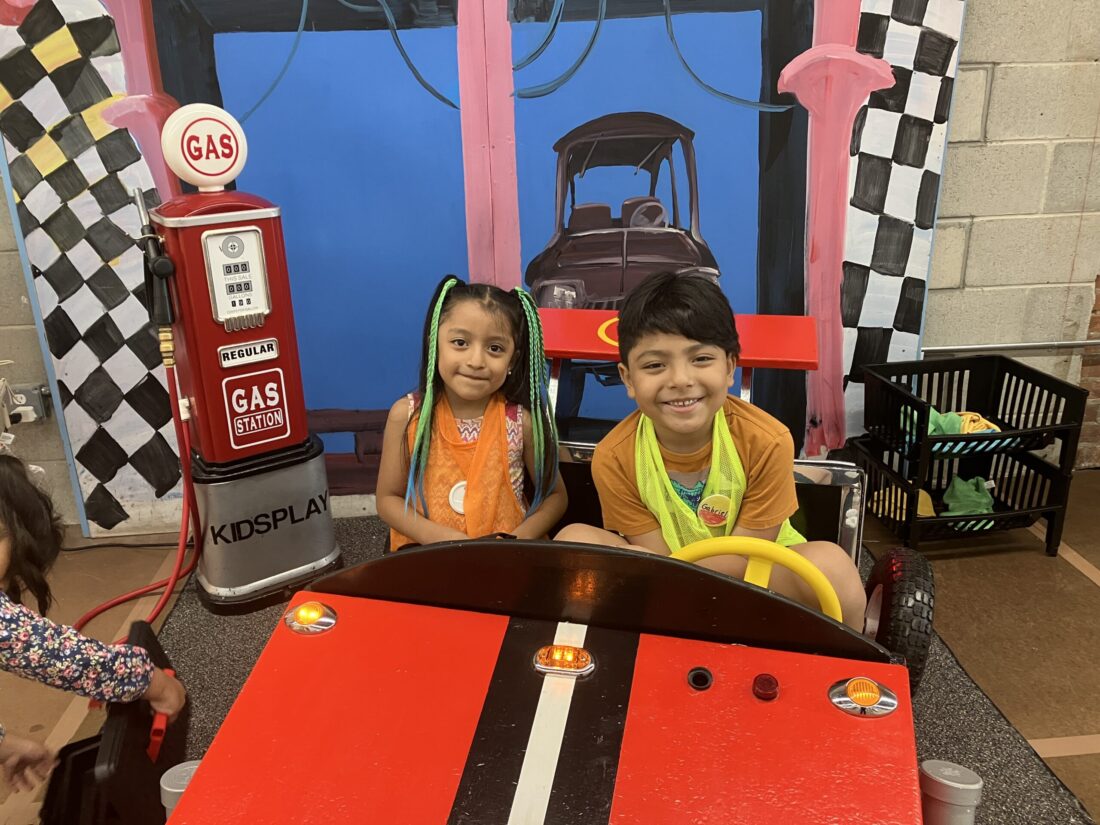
(216, 260)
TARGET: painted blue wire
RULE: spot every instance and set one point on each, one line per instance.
(554, 19)
(392, 23)
(286, 65)
(544, 89)
(737, 101)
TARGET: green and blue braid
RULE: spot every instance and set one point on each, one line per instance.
(543, 428)
(527, 386)
(418, 456)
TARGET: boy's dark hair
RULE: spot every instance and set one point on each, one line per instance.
(687, 303)
(28, 518)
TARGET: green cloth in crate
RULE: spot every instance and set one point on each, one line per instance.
(938, 423)
(944, 424)
(954, 424)
(968, 498)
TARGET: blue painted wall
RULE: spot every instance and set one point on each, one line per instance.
(367, 168)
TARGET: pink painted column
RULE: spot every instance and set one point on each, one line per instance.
(146, 106)
(836, 21)
(832, 80)
(13, 12)
(489, 142)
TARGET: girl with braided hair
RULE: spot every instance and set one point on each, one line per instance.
(456, 454)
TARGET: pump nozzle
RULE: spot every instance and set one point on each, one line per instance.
(158, 268)
(143, 213)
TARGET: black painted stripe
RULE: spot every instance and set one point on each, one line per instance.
(584, 783)
(489, 778)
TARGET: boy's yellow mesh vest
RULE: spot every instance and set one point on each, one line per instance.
(722, 493)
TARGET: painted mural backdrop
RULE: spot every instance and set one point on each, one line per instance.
(896, 145)
(792, 147)
(72, 164)
(628, 166)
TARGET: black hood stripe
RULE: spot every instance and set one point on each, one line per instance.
(489, 778)
(584, 784)
(584, 776)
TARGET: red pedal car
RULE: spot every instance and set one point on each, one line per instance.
(503, 681)
(508, 681)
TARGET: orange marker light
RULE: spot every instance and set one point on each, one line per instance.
(309, 613)
(310, 618)
(863, 692)
(863, 697)
(564, 659)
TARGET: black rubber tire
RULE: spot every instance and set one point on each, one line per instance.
(908, 598)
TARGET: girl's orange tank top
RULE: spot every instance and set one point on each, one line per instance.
(489, 504)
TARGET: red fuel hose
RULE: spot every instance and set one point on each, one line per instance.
(188, 517)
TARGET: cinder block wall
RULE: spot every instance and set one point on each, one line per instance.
(39, 442)
(1017, 251)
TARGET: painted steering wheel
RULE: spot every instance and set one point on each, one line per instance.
(649, 216)
(762, 554)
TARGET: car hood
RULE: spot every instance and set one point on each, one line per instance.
(608, 263)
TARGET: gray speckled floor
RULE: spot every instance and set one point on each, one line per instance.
(213, 653)
(955, 720)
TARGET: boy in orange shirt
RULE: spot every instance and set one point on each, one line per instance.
(693, 461)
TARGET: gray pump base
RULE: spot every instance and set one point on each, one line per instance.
(267, 526)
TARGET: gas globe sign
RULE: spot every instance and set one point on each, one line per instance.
(209, 147)
(204, 145)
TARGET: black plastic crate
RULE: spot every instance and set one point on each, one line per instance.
(1025, 489)
(1032, 409)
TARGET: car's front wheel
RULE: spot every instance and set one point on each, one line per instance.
(901, 596)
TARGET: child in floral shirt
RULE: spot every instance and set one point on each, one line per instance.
(36, 648)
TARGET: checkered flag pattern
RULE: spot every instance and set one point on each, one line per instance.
(72, 172)
(898, 142)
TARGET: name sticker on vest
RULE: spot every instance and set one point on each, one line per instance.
(252, 352)
(457, 498)
(714, 509)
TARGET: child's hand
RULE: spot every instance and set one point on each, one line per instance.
(25, 763)
(166, 694)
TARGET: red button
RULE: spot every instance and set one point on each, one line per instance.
(765, 687)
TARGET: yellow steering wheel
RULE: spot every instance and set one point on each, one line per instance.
(762, 554)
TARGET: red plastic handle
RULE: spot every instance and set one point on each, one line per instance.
(160, 727)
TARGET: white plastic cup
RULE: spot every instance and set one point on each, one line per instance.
(950, 793)
(174, 782)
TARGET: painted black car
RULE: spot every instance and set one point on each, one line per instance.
(596, 256)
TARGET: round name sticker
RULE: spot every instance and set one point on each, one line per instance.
(714, 510)
(457, 498)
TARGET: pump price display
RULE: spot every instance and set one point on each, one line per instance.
(255, 407)
(235, 265)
